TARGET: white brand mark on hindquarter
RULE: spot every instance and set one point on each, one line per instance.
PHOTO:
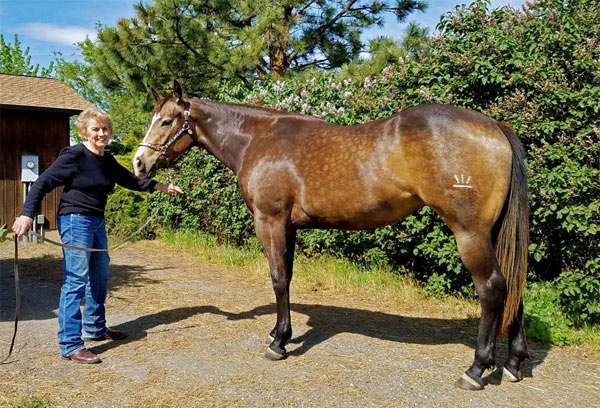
(461, 182)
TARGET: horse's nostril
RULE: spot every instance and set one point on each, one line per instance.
(138, 166)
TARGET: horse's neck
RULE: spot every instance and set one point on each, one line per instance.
(224, 130)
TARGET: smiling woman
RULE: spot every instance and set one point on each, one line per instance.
(89, 174)
(95, 128)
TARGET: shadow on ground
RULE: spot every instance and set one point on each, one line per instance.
(327, 321)
(40, 281)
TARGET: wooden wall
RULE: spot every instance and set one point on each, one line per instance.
(38, 133)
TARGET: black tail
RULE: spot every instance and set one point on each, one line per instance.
(513, 237)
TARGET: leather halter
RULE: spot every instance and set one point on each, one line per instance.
(162, 149)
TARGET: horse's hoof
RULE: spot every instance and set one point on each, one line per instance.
(467, 383)
(270, 339)
(273, 355)
(508, 376)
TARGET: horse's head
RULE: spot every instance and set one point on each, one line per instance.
(169, 134)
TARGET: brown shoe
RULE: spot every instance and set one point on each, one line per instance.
(109, 335)
(83, 356)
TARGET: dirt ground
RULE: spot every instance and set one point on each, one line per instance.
(197, 336)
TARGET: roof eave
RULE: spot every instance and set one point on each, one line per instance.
(67, 111)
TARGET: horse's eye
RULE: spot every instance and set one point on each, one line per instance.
(166, 122)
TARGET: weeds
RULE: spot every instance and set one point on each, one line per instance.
(325, 272)
(36, 402)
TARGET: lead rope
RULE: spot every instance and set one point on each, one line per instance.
(113, 248)
(17, 299)
(16, 272)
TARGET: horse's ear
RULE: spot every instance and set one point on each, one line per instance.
(157, 96)
(177, 91)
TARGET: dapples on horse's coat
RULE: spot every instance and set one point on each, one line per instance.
(296, 171)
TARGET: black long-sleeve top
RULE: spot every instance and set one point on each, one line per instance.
(88, 179)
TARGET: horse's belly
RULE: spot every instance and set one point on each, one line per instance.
(355, 212)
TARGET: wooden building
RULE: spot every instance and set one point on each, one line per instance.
(34, 120)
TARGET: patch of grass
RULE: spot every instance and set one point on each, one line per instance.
(48, 256)
(546, 323)
(328, 273)
(37, 402)
(207, 246)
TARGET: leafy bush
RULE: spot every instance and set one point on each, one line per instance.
(544, 320)
(438, 285)
(212, 201)
(126, 210)
(579, 297)
(547, 321)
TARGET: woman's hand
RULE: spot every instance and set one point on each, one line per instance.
(22, 225)
(168, 188)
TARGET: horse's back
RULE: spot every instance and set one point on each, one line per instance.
(376, 173)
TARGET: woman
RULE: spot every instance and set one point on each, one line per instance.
(89, 174)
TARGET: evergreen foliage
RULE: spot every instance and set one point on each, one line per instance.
(414, 38)
(202, 42)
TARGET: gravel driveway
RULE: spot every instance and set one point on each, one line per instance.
(197, 336)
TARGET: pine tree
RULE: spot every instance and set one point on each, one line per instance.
(415, 37)
(202, 42)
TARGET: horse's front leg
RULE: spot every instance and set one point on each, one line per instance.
(278, 240)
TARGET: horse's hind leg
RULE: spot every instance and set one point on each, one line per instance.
(278, 241)
(477, 253)
(517, 349)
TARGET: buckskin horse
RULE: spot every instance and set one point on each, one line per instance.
(297, 171)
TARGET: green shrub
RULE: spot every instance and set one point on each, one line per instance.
(126, 210)
(544, 320)
(211, 201)
(438, 285)
(579, 297)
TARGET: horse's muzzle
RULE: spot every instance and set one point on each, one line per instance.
(141, 170)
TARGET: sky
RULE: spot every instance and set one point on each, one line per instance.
(47, 26)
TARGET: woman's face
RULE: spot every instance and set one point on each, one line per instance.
(98, 134)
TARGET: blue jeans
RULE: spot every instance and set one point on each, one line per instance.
(85, 275)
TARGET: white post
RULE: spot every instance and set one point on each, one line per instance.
(29, 174)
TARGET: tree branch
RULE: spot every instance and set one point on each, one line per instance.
(183, 41)
(308, 64)
(301, 12)
(331, 22)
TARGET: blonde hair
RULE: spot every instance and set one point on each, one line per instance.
(92, 113)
